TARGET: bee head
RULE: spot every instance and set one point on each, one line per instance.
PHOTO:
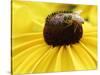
(68, 19)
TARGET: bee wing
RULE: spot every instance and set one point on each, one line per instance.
(78, 12)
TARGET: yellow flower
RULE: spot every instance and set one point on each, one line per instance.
(30, 53)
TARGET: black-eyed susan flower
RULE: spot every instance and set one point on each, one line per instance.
(44, 40)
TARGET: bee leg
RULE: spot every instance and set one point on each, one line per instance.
(69, 24)
(76, 26)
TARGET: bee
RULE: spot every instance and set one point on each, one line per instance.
(73, 19)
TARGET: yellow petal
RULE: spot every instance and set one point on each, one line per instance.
(58, 65)
(93, 15)
(84, 56)
(67, 62)
(46, 61)
(32, 58)
(88, 28)
(22, 38)
(19, 48)
(21, 19)
(77, 63)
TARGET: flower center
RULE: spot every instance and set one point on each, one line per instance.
(63, 28)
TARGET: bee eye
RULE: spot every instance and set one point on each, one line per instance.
(68, 17)
(65, 18)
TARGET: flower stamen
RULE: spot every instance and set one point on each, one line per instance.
(63, 28)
